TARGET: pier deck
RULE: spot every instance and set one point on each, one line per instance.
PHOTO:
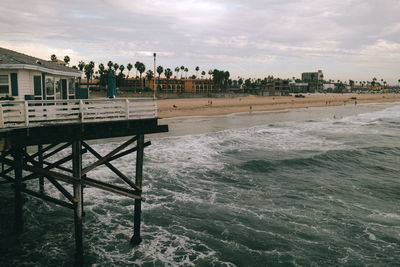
(66, 125)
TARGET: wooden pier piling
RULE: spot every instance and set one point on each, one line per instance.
(40, 159)
(136, 239)
(77, 174)
(17, 153)
(53, 138)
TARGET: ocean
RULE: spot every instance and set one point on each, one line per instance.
(305, 187)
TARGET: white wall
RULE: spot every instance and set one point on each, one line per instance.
(25, 82)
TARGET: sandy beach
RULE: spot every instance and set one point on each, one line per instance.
(168, 108)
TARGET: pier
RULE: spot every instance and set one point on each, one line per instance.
(52, 127)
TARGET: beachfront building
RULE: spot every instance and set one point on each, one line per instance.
(165, 85)
(299, 87)
(314, 80)
(199, 86)
(281, 87)
(328, 87)
(25, 77)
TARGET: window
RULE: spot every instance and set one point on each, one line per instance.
(71, 86)
(58, 88)
(58, 85)
(4, 84)
(49, 85)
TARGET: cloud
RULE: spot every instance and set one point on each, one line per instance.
(382, 49)
(190, 11)
(258, 35)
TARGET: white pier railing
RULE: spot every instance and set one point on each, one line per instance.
(38, 112)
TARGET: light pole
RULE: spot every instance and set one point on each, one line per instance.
(154, 81)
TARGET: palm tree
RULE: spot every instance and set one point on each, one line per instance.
(67, 60)
(177, 71)
(182, 69)
(226, 77)
(110, 64)
(81, 65)
(129, 67)
(197, 69)
(149, 75)
(102, 77)
(186, 70)
(116, 66)
(89, 70)
(121, 68)
(160, 70)
(137, 67)
(141, 68)
(202, 74)
(53, 58)
(210, 72)
(168, 74)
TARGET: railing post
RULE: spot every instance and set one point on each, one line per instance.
(1, 117)
(127, 109)
(81, 112)
(155, 108)
(26, 113)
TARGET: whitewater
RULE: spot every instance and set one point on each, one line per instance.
(316, 186)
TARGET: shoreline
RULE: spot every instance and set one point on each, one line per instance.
(205, 107)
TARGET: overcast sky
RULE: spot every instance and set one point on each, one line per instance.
(358, 39)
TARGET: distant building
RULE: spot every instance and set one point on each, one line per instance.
(328, 87)
(60, 62)
(281, 87)
(314, 80)
(165, 85)
(299, 87)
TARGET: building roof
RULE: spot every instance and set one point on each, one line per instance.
(10, 59)
(60, 62)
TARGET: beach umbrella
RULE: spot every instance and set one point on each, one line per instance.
(111, 87)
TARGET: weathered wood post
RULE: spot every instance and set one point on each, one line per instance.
(40, 159)
(136, 239)
(77, 173)
(19, 161)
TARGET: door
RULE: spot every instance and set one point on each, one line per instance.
(37, 87)
(14, 84)
(64, 91)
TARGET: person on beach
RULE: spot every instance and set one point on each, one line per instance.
(251, 108)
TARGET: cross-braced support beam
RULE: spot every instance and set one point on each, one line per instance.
(39, 166)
